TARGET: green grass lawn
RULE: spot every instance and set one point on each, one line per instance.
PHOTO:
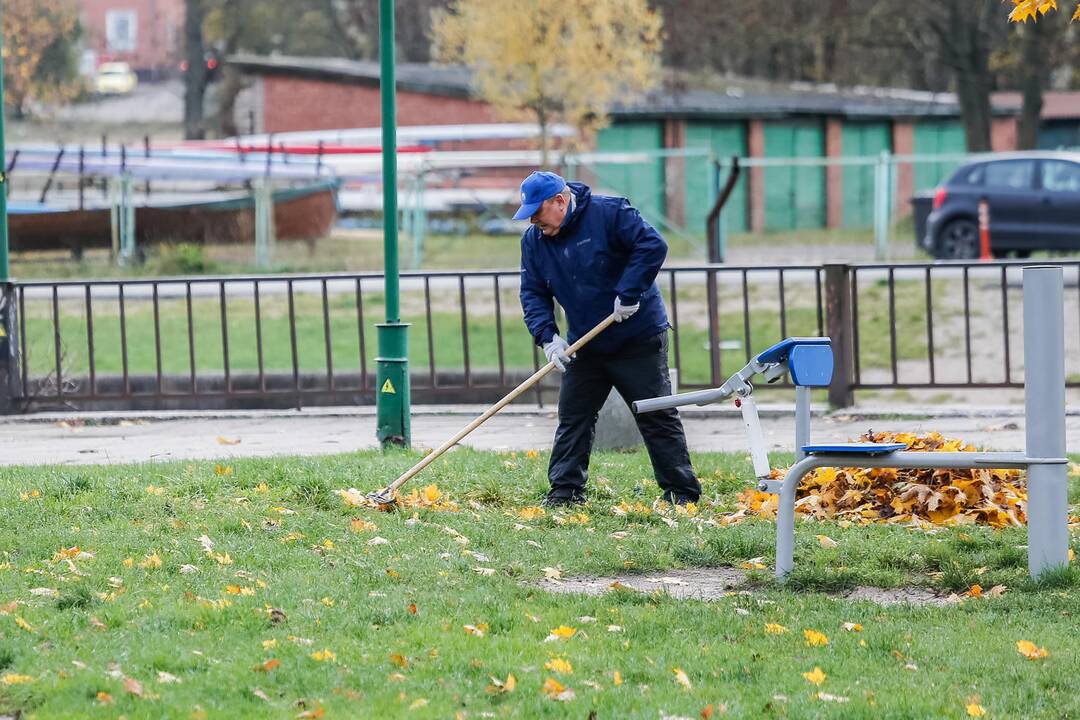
(297, 608)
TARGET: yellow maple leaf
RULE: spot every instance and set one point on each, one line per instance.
(324, 655)
(616, 678)
(271, 643)
(400, 660)
(555, 690)
(152, 561)
(431, 493)
(681, 678)
(852, 627)
(815, 638)
(1029, 650)
(24, 625)
(775, 629)
(530, 513)
(328, 602)
(975, 591)
(826, 542)
(498, 686)
(532, 454)
(15, 679)
(267, 666)
(559, 665)
(358, 525)
(815, 676)
(563, 632)
(479, 629)
(974, 709)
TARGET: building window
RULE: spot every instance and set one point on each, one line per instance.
(120, 30)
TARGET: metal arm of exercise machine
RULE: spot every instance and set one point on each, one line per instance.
(738, 385)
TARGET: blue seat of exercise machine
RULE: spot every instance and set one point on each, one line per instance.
(782, 349)
(853, 448)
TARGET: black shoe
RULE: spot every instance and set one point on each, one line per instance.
(552, 501)
(677, 499)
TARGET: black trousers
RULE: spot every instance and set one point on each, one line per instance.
(638, 371)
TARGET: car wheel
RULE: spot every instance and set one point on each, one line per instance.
(959, 240)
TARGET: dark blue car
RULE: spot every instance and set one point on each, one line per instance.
(1034, 202)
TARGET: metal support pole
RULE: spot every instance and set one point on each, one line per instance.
(802, 420)
(392, 364)
(838, 316)
(882, 205)
(122, 215)
(263, 195)
(1044, 417)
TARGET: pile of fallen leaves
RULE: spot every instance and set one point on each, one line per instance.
(888, 495)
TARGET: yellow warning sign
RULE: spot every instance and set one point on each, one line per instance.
(388, 387)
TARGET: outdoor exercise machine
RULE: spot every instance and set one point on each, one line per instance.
(809, 363)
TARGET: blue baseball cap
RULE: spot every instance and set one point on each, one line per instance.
(535, 189)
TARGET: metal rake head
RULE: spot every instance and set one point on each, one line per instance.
(384, 499)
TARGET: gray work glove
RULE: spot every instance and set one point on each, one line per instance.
(622, 312)
(555, 351)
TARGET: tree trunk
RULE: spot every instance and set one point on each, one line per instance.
(542, 121)
(195, 77)
(966, 48)
(1034, 76)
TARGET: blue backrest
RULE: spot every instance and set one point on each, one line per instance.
(811, 365)
(809, 359)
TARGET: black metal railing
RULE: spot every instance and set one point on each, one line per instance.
(294, 340)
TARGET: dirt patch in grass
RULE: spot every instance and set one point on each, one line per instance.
(717, 582)
(694, 583)
(898, 596)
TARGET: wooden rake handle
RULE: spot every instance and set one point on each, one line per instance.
(532, 380)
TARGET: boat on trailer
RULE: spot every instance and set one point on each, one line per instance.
(303, 213)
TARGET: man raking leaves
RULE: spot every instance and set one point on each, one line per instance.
(596, 255)
(599, 259)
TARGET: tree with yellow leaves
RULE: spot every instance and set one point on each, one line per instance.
(39, 58)
(553, 61)
(1024, 9)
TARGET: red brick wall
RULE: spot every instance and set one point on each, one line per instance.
(903, 142)
(834, 174)
(755, 147)
(292, 103)
(158, 34)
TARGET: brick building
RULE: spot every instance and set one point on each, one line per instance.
(823, 128)
(147, 34)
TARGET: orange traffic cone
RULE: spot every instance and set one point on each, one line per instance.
(984, 231)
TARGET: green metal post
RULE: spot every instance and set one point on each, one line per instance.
(392, 364)
(3, 176)
(10, 387)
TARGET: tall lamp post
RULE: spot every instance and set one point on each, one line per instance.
(392, 363)
(9, 346)
(3, 170)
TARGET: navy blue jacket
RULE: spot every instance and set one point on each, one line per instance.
(603, 249)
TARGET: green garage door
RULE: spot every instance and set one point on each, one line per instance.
(794, 195)
(862, 139)
(723, 140)
(642, 183)
(936, 137)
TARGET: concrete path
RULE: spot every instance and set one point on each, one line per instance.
(91, 438)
